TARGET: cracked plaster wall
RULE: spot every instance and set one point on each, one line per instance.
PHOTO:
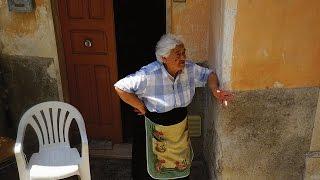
(259, 53)
(30, 34)
(25, 81)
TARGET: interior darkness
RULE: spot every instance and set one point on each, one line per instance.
(139, 25)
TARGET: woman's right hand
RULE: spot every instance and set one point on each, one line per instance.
(140, 110)
(133, 101)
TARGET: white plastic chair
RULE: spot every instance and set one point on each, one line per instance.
(55, 159)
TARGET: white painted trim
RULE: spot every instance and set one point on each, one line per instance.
(229, 22)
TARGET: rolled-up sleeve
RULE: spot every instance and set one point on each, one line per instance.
(134, 83)
(201, 75)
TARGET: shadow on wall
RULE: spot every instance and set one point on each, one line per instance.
(25, 81)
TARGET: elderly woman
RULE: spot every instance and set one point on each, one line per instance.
(161, 91)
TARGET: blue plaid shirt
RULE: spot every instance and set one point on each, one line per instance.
(159, 91)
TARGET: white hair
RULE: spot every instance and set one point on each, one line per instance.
(166, 43)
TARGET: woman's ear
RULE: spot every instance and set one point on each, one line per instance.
(164, 59)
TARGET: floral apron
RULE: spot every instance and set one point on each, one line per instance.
(168, 150)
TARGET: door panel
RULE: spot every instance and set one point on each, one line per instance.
(102, 75)
(89, 44)
(75, 8)
(96, 9)
(96, 39)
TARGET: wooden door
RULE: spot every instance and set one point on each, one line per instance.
(88, 34)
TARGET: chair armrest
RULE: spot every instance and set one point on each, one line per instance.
(84, 140)
(84, 149)
(20, 156)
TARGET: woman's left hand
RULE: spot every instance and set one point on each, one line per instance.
(222, 96)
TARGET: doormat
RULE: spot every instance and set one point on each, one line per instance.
(100, 144)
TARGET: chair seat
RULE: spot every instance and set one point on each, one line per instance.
(54, 163)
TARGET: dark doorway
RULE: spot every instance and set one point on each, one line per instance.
(139, 25)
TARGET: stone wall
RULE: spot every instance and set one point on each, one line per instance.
(263, 134)
(258, 52)
(26, 81)
(30, 34)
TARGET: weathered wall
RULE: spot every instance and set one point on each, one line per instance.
(266, 133)
(315, 142)
(277, 41)
(312, 163)
(263, 133)
(209, 135)
(30, 34)
(191, 21)
(25, 82)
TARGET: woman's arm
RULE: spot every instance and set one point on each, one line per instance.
(132, 100)
(221, 95)
(213, 82)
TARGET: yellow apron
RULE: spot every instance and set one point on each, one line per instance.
(169, 151)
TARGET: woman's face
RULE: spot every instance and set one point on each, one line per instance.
(176, 59)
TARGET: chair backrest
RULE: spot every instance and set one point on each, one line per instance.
(51, 121)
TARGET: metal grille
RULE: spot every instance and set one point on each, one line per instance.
(194, 123)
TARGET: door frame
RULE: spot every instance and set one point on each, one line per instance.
(60, 50)
(62, 59)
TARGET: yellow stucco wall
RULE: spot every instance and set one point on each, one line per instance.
(276, 44)
(191, 21)
(30, 34)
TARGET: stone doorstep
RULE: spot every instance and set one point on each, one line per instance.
(100, 144)
(118, 151)
(312, 166)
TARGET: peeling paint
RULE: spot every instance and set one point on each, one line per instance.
(265, 53)
(20, 24)
(30, 34)
(51, 71)
(278, 85)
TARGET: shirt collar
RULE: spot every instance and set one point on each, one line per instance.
(168, 75)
